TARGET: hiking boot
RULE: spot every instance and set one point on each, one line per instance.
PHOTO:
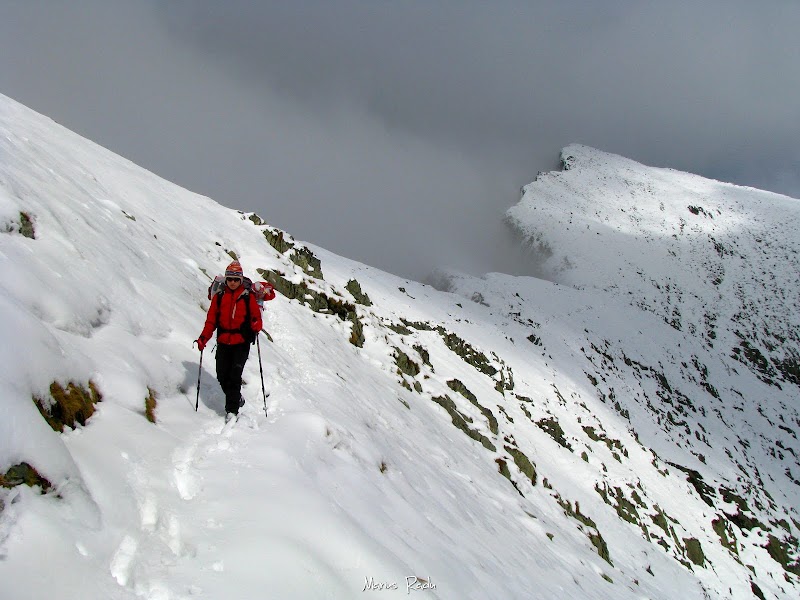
(241, 401)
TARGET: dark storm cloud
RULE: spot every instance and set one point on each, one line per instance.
(397, 133)
(684, 82)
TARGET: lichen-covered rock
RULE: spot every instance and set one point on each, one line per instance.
(523, 463)
(405, 364)
(457, 386)
(695, 551)
(150, 403)
(460, 421)
(552, 427)
(26, 226)
(306, 260)
(467, 352)
(66, 407)
(355, 289)
(276, 239)
(781, 552)
(317, 301)
(24, 474)
(23, 227)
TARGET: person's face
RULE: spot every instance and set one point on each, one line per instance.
(233, 282)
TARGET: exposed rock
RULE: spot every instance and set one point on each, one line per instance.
(355, 289)
(68, 407)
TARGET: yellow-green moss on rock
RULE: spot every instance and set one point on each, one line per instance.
(150, 403)
(68, 407)
(24, 474)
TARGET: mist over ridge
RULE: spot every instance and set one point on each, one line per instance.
(399, 133)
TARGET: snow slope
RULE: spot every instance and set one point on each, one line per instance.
(716, 260)
(508, 440)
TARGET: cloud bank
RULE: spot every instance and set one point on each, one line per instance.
(398, 133)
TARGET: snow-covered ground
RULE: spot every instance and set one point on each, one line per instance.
(516, 438)
(718, 261)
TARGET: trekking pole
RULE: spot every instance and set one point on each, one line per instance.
(261, 368)
(199, 372)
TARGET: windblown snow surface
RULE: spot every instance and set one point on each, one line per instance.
(624, 427)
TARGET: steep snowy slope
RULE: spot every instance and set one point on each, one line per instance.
(695, 457)
(716, 260)
(520, 439)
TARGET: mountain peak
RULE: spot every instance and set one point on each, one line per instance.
(707, 257)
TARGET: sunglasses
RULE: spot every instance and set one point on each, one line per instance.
(230, 279)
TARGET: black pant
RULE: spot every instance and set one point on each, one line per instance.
(230, 365)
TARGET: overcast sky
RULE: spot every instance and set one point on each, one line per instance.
(398, 133)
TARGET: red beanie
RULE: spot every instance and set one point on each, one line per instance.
(234, 270)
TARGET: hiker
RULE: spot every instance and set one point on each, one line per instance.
(235, 315)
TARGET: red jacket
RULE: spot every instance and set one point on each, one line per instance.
(230, 316)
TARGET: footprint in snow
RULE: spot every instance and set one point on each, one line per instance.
(148, 510)
(186, 481)
(123, 559)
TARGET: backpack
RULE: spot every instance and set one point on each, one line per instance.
(262, 290)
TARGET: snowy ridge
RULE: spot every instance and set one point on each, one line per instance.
(516, 439)
(714, 259)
